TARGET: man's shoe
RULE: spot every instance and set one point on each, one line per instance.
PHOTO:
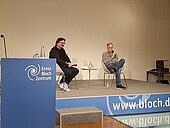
(61, 85)
(120, 87)
(65, 88)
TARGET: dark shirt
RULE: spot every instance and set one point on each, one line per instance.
(60, 56)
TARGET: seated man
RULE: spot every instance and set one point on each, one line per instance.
(110, 59)
(64, 62)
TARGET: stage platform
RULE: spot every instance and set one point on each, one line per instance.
(140, 97)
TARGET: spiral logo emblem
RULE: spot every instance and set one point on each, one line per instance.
(32, 71)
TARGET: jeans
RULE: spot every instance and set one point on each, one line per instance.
(69, 74)
(117, 68)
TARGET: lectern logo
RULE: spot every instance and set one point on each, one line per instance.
(32, 71)
(38, 72)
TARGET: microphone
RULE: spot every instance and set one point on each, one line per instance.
(74, 64)
(2, 36)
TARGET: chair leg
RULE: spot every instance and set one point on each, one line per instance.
(104, 79)
(125, 79)
(63, 78)
(58, 78)
(76, 83)
(107, 84)
(112, 80)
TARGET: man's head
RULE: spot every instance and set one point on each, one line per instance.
(110, 47)
(60, 42)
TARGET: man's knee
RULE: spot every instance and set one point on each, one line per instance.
(76, 71)
(68, 72)
(123, 60)
(72, 71)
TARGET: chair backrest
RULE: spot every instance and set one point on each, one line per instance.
(123, 68)
(104, 67)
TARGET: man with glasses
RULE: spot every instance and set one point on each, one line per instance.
(64, 62)
(112, 62)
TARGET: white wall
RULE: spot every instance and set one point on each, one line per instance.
(150, 30)
(139, 29)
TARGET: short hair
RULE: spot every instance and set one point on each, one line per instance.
(59, 39)
(109, 44)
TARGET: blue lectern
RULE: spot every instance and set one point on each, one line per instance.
(28, 93)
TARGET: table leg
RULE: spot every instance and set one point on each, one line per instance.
(159, 76)
(89, 79)
(147, 74)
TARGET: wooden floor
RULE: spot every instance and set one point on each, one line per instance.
(107, 123)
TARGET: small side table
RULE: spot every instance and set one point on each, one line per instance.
(88, 69)
(159, 74)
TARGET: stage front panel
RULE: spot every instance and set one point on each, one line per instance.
(121, 105)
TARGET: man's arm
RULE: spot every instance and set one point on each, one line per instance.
(66, 57)
(116, 58)
(106, 57)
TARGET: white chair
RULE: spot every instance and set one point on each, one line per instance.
(60, 74)
(108, 72)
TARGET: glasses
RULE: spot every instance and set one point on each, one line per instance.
(62, 42)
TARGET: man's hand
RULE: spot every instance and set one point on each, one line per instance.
(69, 64)
(114, 55)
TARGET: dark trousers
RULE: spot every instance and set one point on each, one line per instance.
(69, 74)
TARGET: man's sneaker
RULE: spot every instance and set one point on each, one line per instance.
(120, 87)
(65, 88)
(61, 85)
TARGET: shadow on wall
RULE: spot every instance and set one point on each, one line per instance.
(128, 74)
